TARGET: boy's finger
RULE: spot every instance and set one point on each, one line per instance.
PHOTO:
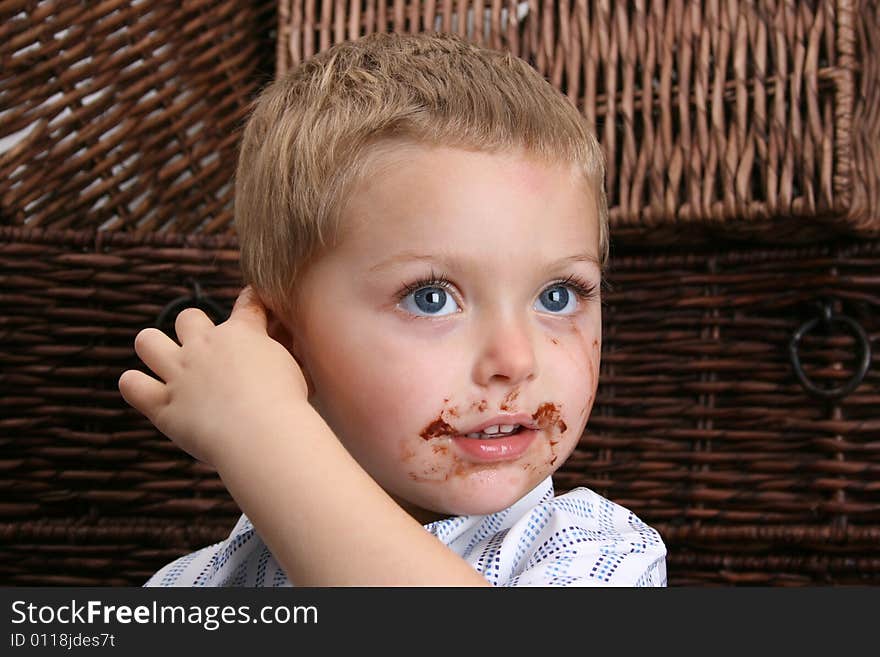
(158, 351)
(191, 322)
(249, 307)
(142, 392)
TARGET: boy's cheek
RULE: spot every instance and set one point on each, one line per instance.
(380, 397)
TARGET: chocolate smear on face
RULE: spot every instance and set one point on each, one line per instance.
(548, 415)
(509, 399)
(437, 428)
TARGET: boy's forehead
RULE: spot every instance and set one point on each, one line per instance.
(537, 177)
(457, 173)
(405, 200)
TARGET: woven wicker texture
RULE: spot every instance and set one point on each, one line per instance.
(762, 119)
(126, 115)
(92, 494)
(700, 425)
(726, 118)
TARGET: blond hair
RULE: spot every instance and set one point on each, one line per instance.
(313, 133)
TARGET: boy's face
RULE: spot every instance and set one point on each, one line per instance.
(401, 373)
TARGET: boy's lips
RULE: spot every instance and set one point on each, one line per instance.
(495, 449)
(497, 445)
(501, 448)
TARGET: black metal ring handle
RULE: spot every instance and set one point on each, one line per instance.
(198, 299)
(827, 319)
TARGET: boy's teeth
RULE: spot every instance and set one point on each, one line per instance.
(494, 431)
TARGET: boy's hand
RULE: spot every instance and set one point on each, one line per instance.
(218, 383)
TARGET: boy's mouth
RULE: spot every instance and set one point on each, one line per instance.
(501, 438)
(497, 439)
(498, 446)
(497, 431)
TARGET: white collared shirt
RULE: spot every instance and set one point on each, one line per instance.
(577, 539)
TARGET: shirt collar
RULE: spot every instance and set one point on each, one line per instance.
(461, 529)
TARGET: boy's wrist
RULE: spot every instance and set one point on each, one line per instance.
(264, 432)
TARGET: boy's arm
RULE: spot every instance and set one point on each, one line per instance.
(327, 522)
(233, 397)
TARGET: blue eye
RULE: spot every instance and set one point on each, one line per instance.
(562, 294)
(556, 298)
(428, 296)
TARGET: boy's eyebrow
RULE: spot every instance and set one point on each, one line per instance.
(407, 256)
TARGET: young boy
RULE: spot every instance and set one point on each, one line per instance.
(423, 231)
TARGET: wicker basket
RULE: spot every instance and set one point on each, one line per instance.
(93, 494)
(700, 426)
(736, 119)
(126, 116)
(123, 117)
(703, 428)
(117, 143)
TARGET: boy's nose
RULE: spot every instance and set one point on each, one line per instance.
(506, 350)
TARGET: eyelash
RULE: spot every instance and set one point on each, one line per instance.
(584, 290)
(433, 280)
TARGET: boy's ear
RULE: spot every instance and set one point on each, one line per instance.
(279, 332)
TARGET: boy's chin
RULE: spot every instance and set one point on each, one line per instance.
(480, 503)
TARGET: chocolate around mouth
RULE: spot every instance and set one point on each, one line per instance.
(438, 428)
(547, 415)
